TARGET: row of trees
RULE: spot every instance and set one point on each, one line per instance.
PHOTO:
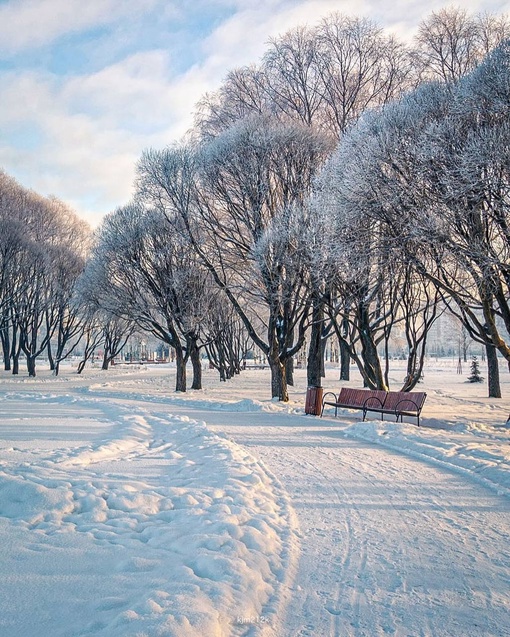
(44, 247)
(419, 192)
(348, 185)
(293, 234)
(42, 253)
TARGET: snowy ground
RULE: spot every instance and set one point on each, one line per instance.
(128, 510)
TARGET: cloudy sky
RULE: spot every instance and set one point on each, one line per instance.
(86, 85)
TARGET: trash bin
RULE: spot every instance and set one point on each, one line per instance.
(313, 403)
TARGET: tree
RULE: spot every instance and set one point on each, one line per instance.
(372, 188)
(475, 371)
(470, 153)
(291, 67)
(451, 42)
(242, 197)
(432, 169)
(243, 93)
(226, 339)
(359, 68)
(116, 332)
(93, 333)
(143, 270)
(42, 250)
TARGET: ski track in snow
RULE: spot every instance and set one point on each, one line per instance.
(391, 545)
(350, 530)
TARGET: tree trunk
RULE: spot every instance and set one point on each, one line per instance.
(180, 377)
(15, 351)
(314, 361)
(493, 371)
(323, 356)
(289, 371)
(345, 361)
(372, 371)
(31, 365)
(194, 354)
(81, 366)
(278, 377)
(51, 360)
(6, 348)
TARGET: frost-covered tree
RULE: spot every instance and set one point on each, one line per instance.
(226, 338)
(470, 154)
(293, 81)
(432, 170)
(143, 269)
(451, 42)
(244, 92)
(42, 248)
(359, 67)
(243, 196)
(13, 240)
(476, 376)
(372, 189)
(68, 252)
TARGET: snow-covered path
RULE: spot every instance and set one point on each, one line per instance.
(122, 514)
(388, 542)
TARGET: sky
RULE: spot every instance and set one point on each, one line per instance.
(87, 85)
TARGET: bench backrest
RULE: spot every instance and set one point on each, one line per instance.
(359, 398)
(404, 401)
(350, 397)
(375, 398)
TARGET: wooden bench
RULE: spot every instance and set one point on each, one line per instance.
(398, 404)
(403, 403)
(350, 398)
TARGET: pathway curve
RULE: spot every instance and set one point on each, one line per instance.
(390, 544)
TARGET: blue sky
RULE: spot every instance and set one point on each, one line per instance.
(86, 85)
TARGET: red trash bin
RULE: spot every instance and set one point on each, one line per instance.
(313, 403)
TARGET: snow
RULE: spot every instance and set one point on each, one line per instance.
(129, 510)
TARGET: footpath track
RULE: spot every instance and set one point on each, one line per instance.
(387, 541)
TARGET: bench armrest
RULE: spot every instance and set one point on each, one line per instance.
(329, 393)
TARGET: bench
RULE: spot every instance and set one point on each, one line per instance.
(350, 398)
(398, 404)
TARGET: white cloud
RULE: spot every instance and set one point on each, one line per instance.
(89, 130)
(77, 157)
(132, 91)
(32, 23)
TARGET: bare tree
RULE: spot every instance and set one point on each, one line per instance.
(226, 339)
(116, 332)
(242, 197)
(142, 269)
(359, 68)
(451, 42)
(293, 81)
(244, 92)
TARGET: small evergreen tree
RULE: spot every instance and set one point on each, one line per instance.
(475, 371)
